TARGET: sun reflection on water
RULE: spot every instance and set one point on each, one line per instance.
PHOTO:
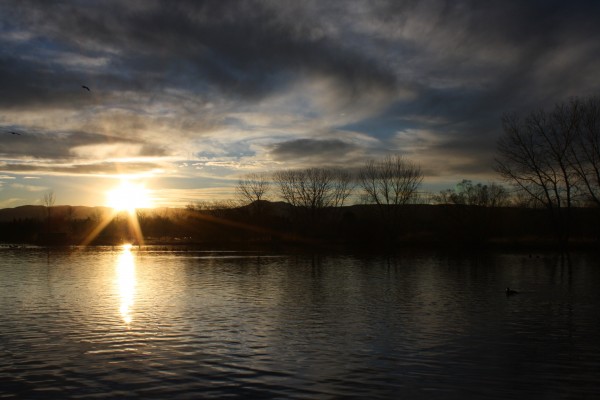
(126, 283)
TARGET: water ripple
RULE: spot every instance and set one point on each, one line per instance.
(152, 324)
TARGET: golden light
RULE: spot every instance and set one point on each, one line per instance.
(129, 196)
(126, 283)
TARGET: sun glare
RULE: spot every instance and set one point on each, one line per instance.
(129, 196)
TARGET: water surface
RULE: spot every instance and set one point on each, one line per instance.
(145, 323)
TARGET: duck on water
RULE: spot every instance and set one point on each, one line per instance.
(510, 292)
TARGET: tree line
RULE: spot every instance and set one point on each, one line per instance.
(385, 183)
(392, 180)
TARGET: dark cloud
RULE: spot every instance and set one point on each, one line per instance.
(240, 49)
(62, 147)
(310, 148)
(109, 168)
(255, 48)
(31, 84)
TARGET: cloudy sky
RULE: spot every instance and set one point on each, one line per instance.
(186, 96)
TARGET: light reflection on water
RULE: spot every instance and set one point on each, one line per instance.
(107, 323)
(126, 282)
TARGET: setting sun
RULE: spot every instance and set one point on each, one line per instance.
(129, 196)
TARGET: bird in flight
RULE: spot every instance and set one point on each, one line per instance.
(85, 87)
(15, 133)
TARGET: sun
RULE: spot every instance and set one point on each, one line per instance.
(128, 196)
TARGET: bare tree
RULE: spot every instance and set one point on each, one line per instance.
(535, 155)
(313, 189)
(446, 196)
(288, 182)
(390, 181)
(498, 195)
(534, 158)
(49, 198)
(343, 186)
(467, 193)
(253, 187)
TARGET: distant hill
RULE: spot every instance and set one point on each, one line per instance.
(73, 212)
(40, 212)
(22, 212)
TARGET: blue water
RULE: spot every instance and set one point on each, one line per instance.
(145, 323)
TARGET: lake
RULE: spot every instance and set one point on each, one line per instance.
(156, 323)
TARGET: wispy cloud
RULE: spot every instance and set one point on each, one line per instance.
(95, 169)
(28, 188)
(229, 87)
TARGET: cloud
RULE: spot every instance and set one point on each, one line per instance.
(98, 169)
(115, 151)
(326, 152)
(28, 188)
(68, 146)
(237, 86)
(247, 50)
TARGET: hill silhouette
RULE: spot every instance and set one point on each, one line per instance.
(270, 223)
(33, 211)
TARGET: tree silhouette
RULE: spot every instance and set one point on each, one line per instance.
(48, 200)
(253, 187)
(467, 193)
(554, 157)
(313, 190)
(390, 183)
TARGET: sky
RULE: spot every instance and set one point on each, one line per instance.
(187, 96)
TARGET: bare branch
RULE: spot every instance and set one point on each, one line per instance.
(253, 187)
(390, 181)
